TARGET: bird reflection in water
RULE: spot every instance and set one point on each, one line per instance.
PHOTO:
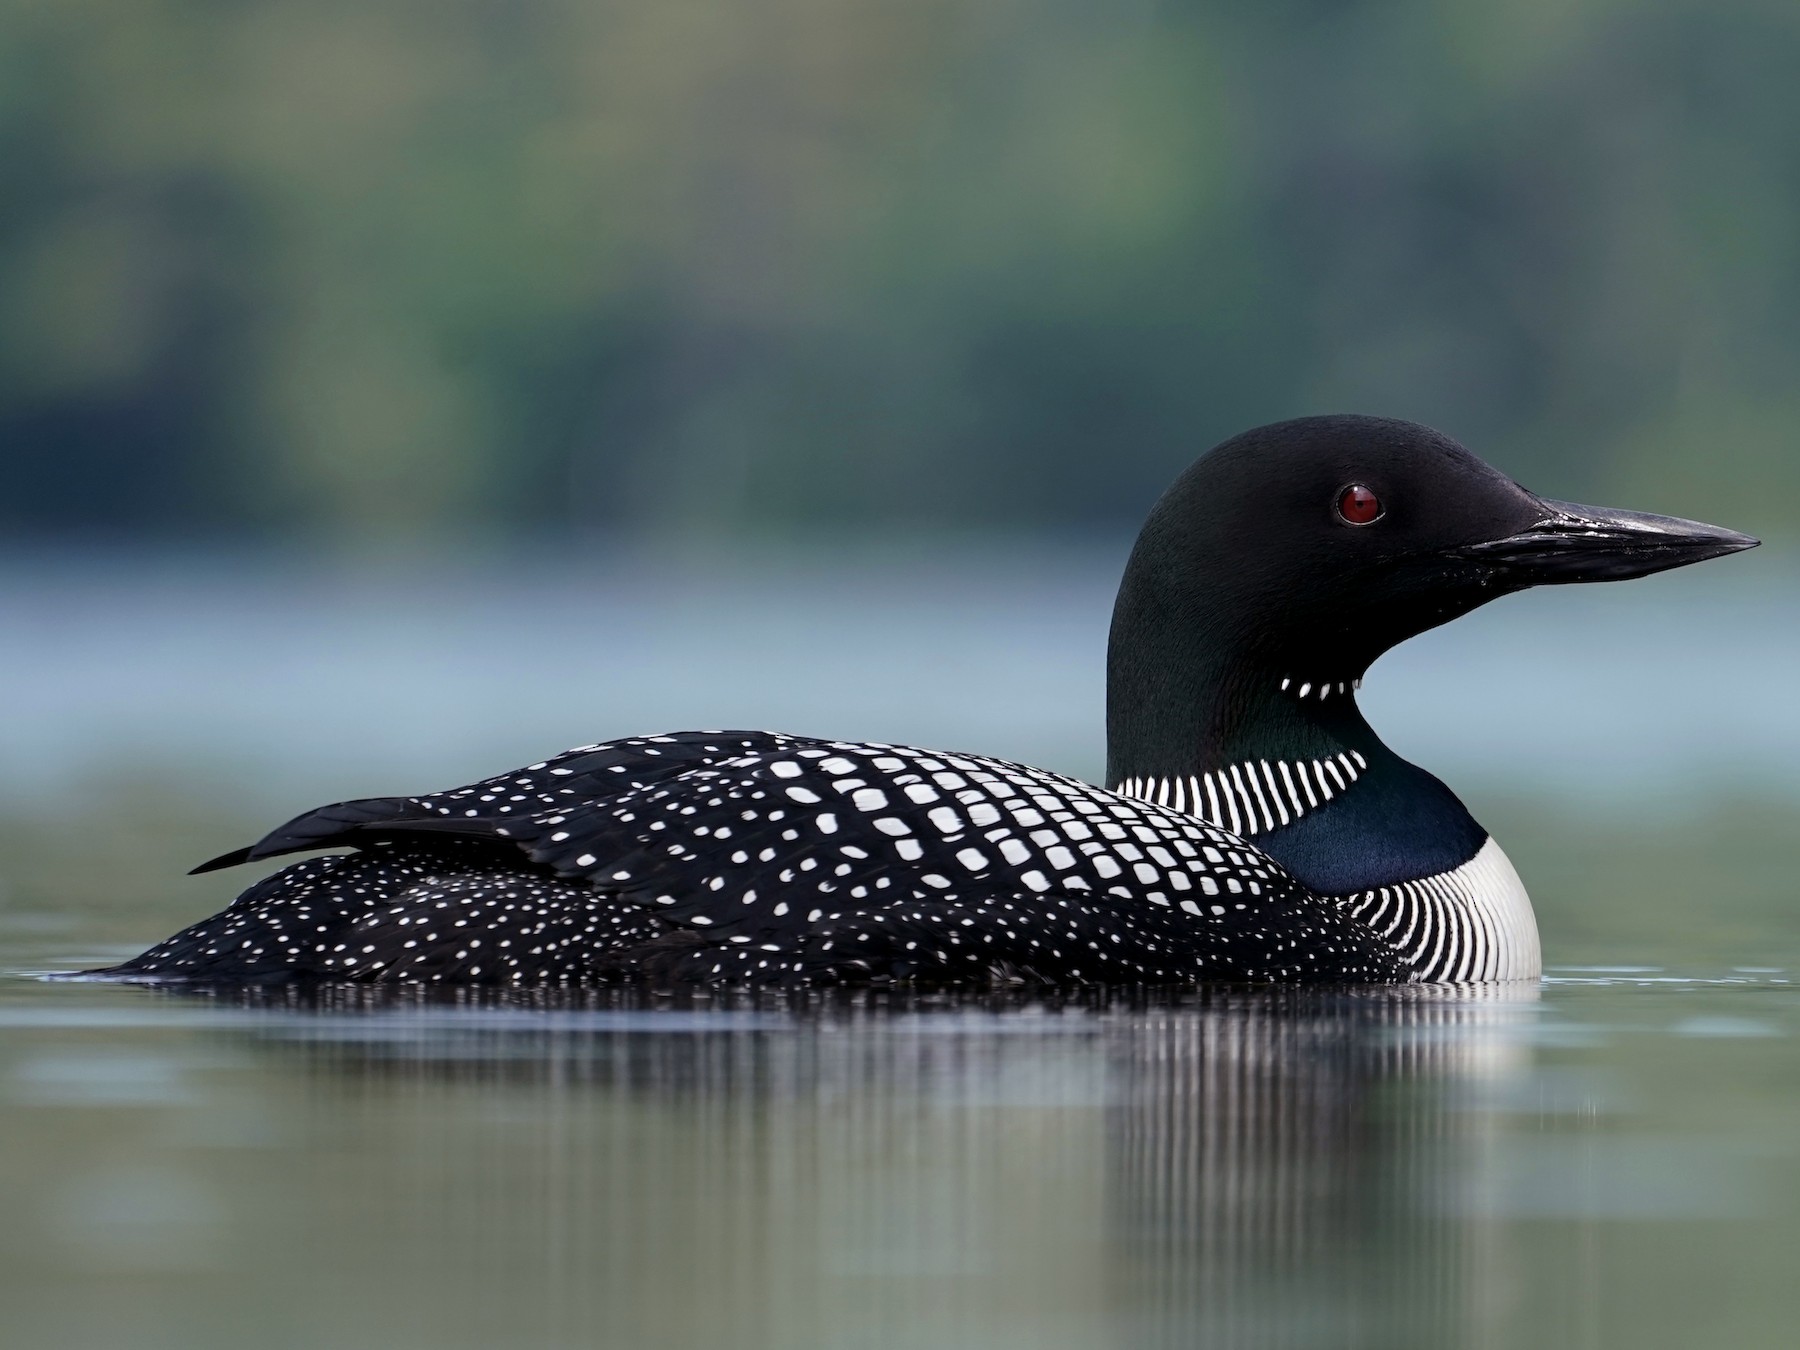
(1280, 1166)
(1220, 1167)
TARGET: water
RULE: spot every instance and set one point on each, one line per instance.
(302, 683)
(1610, 1158)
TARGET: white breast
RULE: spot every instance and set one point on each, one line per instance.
(1471, 923)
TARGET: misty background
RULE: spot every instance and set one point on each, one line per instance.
(459, 274)
(392, 393)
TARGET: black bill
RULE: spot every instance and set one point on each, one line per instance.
(1595, 543)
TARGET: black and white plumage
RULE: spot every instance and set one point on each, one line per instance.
(757, 856)
(1258, 829)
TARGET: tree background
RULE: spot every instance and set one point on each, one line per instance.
(395, 272)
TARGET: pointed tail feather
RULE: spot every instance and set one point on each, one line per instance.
(328, 827)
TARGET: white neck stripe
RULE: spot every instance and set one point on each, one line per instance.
(1471, 923)
(1255, 796)
(1319, 689)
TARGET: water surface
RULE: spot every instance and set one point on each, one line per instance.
(1610, 1159)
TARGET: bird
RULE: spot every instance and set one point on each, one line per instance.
(1252, 827)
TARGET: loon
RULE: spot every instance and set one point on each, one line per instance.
(1254, 827)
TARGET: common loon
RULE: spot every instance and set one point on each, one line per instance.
(1254, 827)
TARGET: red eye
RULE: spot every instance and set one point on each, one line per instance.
(1357, 505)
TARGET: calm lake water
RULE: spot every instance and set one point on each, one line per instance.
(1611, 1158)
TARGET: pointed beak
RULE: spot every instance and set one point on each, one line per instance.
(1594, 543)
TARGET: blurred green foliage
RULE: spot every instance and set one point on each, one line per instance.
(396, 269)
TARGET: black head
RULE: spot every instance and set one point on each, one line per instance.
(1308, 548)
(1322, 542)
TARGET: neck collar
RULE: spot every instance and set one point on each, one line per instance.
(1209, 728)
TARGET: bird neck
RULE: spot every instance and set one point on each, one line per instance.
(1273, 747)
